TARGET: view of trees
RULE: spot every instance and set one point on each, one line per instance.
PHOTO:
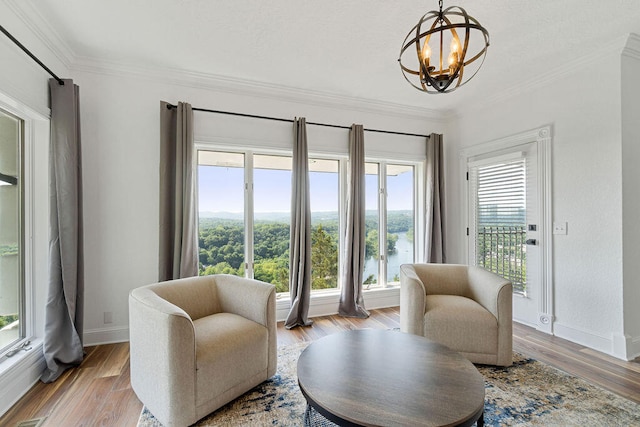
(221, 243)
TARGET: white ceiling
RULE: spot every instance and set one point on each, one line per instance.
(338, 47)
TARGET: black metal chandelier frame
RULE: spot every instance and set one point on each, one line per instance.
(438, 78)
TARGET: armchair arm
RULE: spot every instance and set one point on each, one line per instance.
(491, 291)
(248, 298)
(162, 355)
(495, 294)
(412, 301)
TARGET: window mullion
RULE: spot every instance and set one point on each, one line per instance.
(382, 227)
(248, 214)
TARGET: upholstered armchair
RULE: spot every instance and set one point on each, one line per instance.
(198, 343)
(466, 308)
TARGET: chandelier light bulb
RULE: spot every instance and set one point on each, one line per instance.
(426, 55)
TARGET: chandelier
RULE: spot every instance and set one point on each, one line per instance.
(451, 28)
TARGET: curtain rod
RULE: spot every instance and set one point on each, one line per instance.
(31, 55)
(278, 119)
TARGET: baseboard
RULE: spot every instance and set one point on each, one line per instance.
(626, 347)
(586, 338)
(326, 304)
(18, 378)
(106, 335)
(321, 304)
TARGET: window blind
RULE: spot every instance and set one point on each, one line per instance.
(498, 199)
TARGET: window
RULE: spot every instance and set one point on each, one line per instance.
(11, 232)
(245, 213)
(271, 219)
(324, 188)
(400, 218)
(221, 234)
(389, 223)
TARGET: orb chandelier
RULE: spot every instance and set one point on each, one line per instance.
(449, 35)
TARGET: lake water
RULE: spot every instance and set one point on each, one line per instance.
(403, 255)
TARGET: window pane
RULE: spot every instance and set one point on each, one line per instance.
(372, 224)
(272, 219)
(221, 212)
(400, 219)
(325, 226)
(10, 231)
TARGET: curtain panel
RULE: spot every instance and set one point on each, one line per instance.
(300, 236)
(435, 250)
(178, 252)
(351, 300)
(64, 309)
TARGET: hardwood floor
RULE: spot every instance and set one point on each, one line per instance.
(98, 393)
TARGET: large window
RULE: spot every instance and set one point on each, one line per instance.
(245, 209)
(390, 219)
(11, 232)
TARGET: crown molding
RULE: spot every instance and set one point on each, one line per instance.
(226, 84)
(42, 30)
(632, 46)
(33, 20)
(554, 74)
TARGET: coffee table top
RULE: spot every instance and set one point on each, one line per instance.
(388, 378)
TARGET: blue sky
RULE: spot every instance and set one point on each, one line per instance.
(221, 189)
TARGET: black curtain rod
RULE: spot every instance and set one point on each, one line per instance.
(278, 119)
(31, 55)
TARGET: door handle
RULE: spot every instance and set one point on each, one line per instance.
(531, 242)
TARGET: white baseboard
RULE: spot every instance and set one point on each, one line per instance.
(106, 335)
(326, 304)
(586, 338)
(626, 347)
(322, 304)
(19, 375)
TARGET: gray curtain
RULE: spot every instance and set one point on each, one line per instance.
(435, 218)
(351, 300)
(178, 217)
(65, 301)
(300, 239)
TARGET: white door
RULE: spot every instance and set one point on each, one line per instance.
(504, 222)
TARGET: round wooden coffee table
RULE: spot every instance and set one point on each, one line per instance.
(387, 378)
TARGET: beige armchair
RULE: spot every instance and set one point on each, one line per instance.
(466, 308)
(198, 343)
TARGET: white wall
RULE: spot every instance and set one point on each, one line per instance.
(120, 132)
(584, 112)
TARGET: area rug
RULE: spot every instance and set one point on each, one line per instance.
(526, 393)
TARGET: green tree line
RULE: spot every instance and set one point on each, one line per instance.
(221, 243)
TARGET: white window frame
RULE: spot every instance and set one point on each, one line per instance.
(22, 370)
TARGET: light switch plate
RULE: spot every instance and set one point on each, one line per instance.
(559, 228)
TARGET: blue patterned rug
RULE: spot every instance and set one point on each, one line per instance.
(526, 393)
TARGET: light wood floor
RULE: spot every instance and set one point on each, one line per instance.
(98, 392)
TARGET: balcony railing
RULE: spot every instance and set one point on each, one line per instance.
(502, 250)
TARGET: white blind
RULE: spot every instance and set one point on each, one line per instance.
(501, 194)
(498, 204)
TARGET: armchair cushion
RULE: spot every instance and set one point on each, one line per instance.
(474, 332)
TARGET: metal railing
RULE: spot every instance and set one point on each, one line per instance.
(502, 250)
